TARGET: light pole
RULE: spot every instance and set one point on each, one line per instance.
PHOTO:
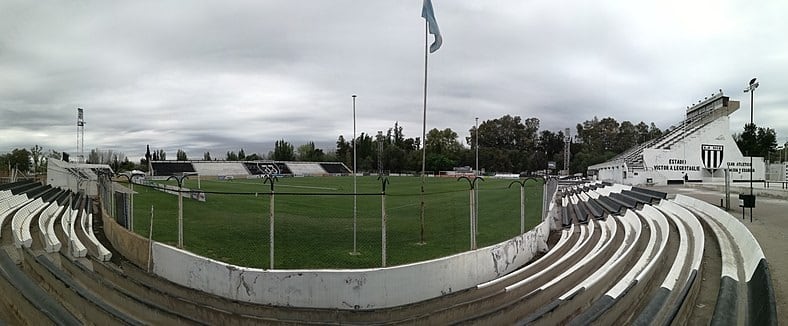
(355, 252)
(476, 189)
(751, 89)
(476, 143)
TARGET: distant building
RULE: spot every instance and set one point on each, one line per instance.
(700, 149)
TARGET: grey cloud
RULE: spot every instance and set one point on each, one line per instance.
(215, 77)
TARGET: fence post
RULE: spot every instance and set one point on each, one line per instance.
(522, 199)
(179, 178)
(473, 218)
(271, 211)
(522, 203)
(180, 217)
(383, 182)
(150, 239)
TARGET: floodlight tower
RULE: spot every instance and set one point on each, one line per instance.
(380, 153)
(567, 141)
(81, 134)
(751, 89)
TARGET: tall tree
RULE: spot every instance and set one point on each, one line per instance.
(254, 157)
(283, 151)
(206, 156)
(19, 159)
(627, 136)
(308, 153)
(344, 152)
(231, 156)
(181, 155)
(756, 141)
(36, 153)
(443, 149)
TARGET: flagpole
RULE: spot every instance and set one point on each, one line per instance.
(424, 132)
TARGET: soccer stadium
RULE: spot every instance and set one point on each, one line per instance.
(648, 235)
(80, 249)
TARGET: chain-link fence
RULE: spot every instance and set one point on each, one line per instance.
(318, 223)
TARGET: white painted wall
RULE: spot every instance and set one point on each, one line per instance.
(350, 289)
(684, 156)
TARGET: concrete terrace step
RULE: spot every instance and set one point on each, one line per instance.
(637, 261)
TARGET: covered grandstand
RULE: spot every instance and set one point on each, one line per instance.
(700, 149)
(243, 169)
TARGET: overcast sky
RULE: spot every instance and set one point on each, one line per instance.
(218, 76)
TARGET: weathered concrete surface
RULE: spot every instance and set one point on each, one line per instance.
(358, 289)
(133, 247)
(769, 226)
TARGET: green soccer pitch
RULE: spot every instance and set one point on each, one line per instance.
(314, 219)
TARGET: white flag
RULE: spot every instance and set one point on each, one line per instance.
(428, 14)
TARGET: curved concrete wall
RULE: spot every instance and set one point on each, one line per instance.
(132, 246)
(349, 289)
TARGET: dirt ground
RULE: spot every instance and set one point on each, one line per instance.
(769, 225)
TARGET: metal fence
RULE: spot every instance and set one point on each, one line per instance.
(281, 229)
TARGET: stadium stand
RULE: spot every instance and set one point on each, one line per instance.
(638, 264)
(262, 168)
(167, 168)
(220, 168)
(306, 168)
(335, 168)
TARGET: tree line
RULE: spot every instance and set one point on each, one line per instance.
(505, 144)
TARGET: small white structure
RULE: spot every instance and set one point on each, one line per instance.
(75, 176)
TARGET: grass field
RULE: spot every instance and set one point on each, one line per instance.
(314, 219)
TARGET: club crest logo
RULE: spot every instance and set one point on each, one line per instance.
(711, 155)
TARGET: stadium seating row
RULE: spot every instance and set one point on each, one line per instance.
(626, 255)
(33, 203)
(252, 168)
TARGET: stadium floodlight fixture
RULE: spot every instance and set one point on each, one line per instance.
(752, 85)
(751, 89)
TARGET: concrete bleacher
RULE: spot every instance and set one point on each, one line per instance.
(220, 168)
(24, 216)
(249, 168)
(741, 256)
(306, 168)
(262, 168)
(67, 222)
(94, 247)
(46, 222)
(167, 168)
(689, 128)
(634, 258)
(335, 168)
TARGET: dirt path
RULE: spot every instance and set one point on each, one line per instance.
(770, 228)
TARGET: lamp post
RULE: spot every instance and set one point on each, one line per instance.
(751, 89)
(355, 252)
(476, 143)
(476, 189)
